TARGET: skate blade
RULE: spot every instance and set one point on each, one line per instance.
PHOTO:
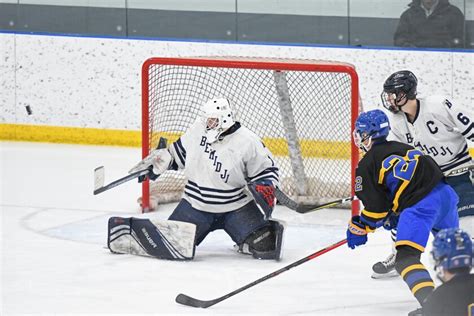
(391, 274)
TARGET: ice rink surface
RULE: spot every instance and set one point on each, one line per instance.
(54, 258)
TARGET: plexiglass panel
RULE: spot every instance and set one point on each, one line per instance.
(440, 24)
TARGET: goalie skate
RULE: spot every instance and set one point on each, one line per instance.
(385, 269)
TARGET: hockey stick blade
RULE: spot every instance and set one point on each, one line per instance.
(193, 302)
(183, 299)
(99, 177)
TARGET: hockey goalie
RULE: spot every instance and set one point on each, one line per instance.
(231, 186)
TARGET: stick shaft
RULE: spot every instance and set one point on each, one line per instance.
(190, 301)
(121, 180)
(305, 208)
(145, 172)
(311, 208)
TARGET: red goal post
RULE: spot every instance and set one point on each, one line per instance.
(304, 110)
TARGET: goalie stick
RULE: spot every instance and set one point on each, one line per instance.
(194, 302)
(305, 208)
(99, 174)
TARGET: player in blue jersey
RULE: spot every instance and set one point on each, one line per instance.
(396, 181)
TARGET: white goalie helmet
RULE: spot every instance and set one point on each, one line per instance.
(217, 117)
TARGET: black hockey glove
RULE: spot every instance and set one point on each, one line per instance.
(264, 196)
(151, 175)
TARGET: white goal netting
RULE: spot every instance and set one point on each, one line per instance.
(303, 110)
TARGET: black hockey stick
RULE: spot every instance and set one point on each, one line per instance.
(194, 302)
(99, 174)
(305, 208)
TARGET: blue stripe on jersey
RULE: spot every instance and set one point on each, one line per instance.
(417, 276)
(265, 177)
(212, 189)
(458, 160)
(387, 178)
(225, 197)
(271, 172)
(270, 169)
(214, 202)
(180, 145)
(178, 152)
(456, 164)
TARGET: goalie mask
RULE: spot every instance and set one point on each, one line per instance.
(217, 118)
(371, 127)
(398, 89)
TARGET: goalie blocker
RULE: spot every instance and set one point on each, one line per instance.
(170, 240)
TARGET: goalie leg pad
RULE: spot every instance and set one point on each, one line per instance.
(170, 240)
(239, 224)
(205, 222)
(265, 243)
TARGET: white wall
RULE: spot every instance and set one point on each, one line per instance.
(95, 82)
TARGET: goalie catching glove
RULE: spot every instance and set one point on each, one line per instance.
(158, 161)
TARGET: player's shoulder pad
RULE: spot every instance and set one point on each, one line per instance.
(365, 161)
(243, 130)
(436, 103)
(248, 137)
(395, 118)
(196, 126)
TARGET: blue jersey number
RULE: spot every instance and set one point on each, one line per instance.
(403, 167)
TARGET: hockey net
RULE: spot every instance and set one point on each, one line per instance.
(304, 110)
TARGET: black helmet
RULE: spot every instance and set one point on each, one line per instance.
(401, 84)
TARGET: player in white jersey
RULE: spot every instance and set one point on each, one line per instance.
(220, 157)
(439, 128)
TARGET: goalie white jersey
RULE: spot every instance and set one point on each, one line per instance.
(218, 173)
(440, 129)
